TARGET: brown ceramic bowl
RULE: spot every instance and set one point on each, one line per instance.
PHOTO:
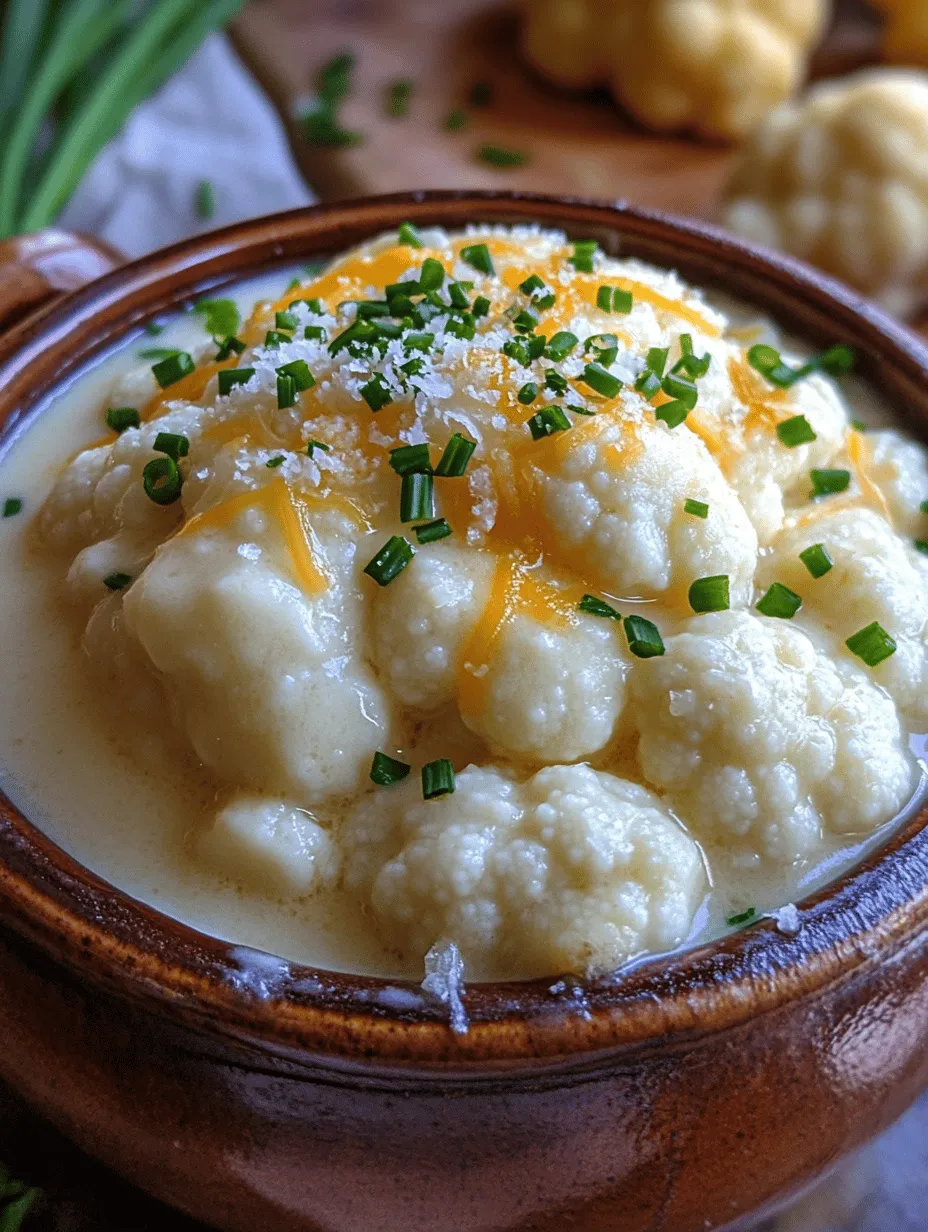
(685, 1094)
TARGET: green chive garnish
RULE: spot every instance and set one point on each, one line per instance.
(518, 349)
(311, 445)
(481, 306)
(795, 431)
(859, 426)
(648, 384)
(656, 360)
(385, 771)
(432, 531)
(119, 418)
(741, 918)
(222, 316)
(437, 779)
(173, 369)
(604, 348)
(286, 391)
(162, 480)
(173, 444)
(779, 602)
(275, 338)
(580, 410)
(556, 382)
(457, 453)
(158, 352)
(417, 497)
(671, 413)
(710, 594)
(872, 644)
(457, 295)
(481, 94)
(273, 463)
(229, 377)
(534, 282)
(595, 606)
(613, 299)
(314, 333)
(406, 459)
(644, 639)
(837, 360)
(682, 390)
(397, 101)
(816, 560)
(376, 392)
(228, 346)
(456, 120)
(419, 341)
(497, 156)
(153, 328)
(285, 321)
(769, 363)
(478, 257)
(528, 393)
(921, 545)
(698, 509)
(299, 373)
(204, 200)
(409, 235)
(11, 506)
(826, 483)
(463, 326)
(117, 581)
(583, 254)
(596, 376)
(547, 421)
(391, 560)
(432, 274)
(560, 345)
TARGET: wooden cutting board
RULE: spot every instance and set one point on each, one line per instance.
(578, 144)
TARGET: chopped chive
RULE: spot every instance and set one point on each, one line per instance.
(273, 463)
(315, 333)
(644, 639)
(419, 341)
(525, 321)
(481, 306)
(432, 274)
(779, 602)
(463, 326)
(389, 329)
(816, 560)
(921, 545)
(406, 459)
(614, 299)
(583, 254)
(710, 594)
(204, 200)
(233, 376)
(286, 391)
(11, 506)
(412, 366)
(556, 382)
(432, 531)
(222, 316)
(596, 376)
(153, 328)
(117, 581)
(560, 345)
(828, 482)
(397, 101)
(872, 644)
(173, 369)
(311, 305)
(477, 256)
(682, 390)
(604, 298)
(409, 235)
(298, 371)
(534, 282)
(595, 606)
(294, 282)
(385, 771)
(456, 455)
(162, 480)
(741, 918)
(158, 352)
(698, 509)
(456, 120)
(376, 392)
(604, 348)
(457, 295)
(391, 560)
(547, 421)
(536, 345)
(544, 302)
(437, 779)
(119, 418)
(795, 431)
(481, 94)
(275, 338)
(497, 156)
(528, 393)
(228, 346)
(311, 445)
(656, 360)
(580, 410)
(671, 413)
(285, 321)
(859, 426)
(648, 384)
(768, 362)
(417, 497)
(173, 444)
(518, 349)
(836, 360)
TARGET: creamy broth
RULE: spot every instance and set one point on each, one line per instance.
(126, 799)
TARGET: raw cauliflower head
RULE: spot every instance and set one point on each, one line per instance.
(763, 743)
(840, 178)
(573, 870)
(714, 67)
(906, 40)
(874, 577)
(546, 691)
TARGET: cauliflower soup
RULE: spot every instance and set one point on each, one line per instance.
(480, 590)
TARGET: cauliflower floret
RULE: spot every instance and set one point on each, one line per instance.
(270, 844)
(840, 178)
(709, 66)
(268, 683)
(873, 578)
(614, 497)
(899, 467)
(548, 692)
(761, 741)
(906, 39)
(573, 870)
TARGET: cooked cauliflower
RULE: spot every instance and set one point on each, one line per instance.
(572, 870)
(899, 467)
(762, 742)
(714, 67)
(906, 39)
(873, 578)
(840, 178)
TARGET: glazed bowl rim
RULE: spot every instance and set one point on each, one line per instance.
(348, 1022)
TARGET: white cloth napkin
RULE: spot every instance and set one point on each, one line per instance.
(209, 122)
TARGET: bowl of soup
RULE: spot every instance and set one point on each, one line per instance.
(462, 719)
